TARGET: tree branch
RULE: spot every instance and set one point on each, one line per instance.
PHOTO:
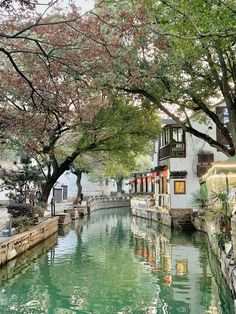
(189, 129)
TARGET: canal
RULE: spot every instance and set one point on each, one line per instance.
(114, 263)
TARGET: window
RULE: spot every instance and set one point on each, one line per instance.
(165, 137)
(179, 187)
(177, 135)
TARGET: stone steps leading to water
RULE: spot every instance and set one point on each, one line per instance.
(64, 219)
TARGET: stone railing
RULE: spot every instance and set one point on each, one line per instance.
(160, 202)
(102, 202)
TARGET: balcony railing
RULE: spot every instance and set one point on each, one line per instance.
(175, 150)
(163, 201)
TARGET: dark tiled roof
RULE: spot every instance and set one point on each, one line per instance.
(167, 121)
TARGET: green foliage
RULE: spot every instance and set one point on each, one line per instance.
(17, 210)
(143, 163)
(200, 197)
(39, 208)
(18, 181)
(191, 60)
(85, 162)
(21, 223)
(221, 240)
(120, 133)
(121, 127)
(223, 198)
(221, 212)
(8, 152)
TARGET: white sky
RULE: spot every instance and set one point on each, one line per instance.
(85, 5)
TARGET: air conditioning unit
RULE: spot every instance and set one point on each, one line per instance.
(201, 170)
(205, 158)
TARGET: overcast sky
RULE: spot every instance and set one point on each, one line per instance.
(85, 5)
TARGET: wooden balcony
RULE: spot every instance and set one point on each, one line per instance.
(173, 150)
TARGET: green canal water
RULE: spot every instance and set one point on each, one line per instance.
(115, 263)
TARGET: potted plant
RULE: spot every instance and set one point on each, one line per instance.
(224, 215)
(39, 208)
(200, 198)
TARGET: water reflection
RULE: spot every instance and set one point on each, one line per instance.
(114, 263)
(181, 264)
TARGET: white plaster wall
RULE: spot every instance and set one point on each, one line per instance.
(193, 146)
(88, 187)
(155, 155)
(3, 196)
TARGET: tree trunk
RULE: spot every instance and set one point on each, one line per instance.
(78, 174)
(58, 170)
(46, 189)
(232, 119)
(119, 184)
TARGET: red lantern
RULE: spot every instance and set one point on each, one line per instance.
(164, 172)
(168, 280)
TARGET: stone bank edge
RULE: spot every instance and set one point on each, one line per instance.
(19, 243)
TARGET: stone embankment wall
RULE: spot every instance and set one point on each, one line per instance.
(233, 231)
(227, 258)
(155, 215)
(10, 269)
(108, 202)
(209, 226)
(19, 243)
(181, 218)
(177, 218)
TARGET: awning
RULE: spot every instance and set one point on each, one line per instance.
(222, 176)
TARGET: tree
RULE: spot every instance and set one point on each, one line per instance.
(23, 3)
(143, 163)
(29, 43)
(85, 164)
(119, 168)
(19, 182)
(117, 127)
(179, 57)
(46, 87)
(127, 131)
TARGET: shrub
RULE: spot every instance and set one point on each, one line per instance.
(40, 208)
(17, 210)
(21, 223)
(221, 240)
(221, 197)
(200, 197)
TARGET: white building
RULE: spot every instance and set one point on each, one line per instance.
(66, 189)
(184, 158)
